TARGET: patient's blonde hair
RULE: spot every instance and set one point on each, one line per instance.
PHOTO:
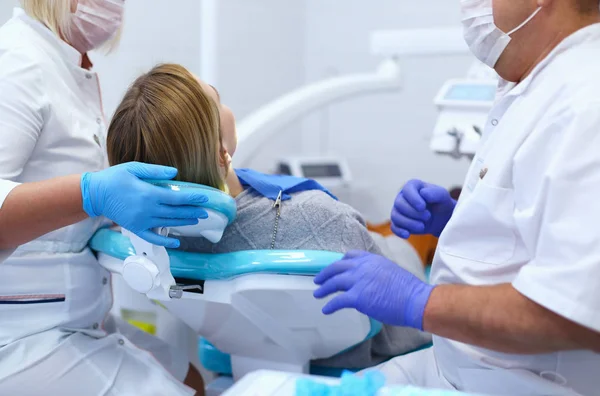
(56, 15)
(166, 118)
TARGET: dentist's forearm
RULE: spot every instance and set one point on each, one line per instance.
(502, 319)
(34, 209)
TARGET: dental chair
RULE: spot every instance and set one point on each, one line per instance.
(254, 309)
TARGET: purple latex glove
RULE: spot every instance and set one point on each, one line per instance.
(421, 208)
(376, 287)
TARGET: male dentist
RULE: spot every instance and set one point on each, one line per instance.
(515, 306)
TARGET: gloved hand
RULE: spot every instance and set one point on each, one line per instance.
(118, 194)
(375, 286)
(421, 208)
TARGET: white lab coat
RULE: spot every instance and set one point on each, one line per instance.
(528, 215)
(54, 296)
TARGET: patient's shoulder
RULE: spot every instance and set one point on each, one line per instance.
(334, 225)
(320, 204)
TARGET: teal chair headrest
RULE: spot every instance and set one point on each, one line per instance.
(218, 200)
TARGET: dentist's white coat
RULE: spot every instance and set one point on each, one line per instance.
(528, 216)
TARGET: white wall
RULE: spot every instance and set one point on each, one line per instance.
(6, 9)
(261, 47)
(268, 47)
(385, 137)
(152, 34)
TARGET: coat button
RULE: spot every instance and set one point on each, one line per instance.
(121, 342)
(494, 122)
(88, 76)
(95, 326)
(97, 140)
(104, 280)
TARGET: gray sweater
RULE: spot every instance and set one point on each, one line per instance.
(310, 220)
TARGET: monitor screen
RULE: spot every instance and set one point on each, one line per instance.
(321, 170)
(471, 93)
(284, 169)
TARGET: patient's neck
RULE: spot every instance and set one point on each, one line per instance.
(233, 183)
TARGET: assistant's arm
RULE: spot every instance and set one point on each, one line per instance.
(27, 211)
(502, 319)
(34, 209)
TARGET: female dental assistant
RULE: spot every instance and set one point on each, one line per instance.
(56, 337)
(516, 306)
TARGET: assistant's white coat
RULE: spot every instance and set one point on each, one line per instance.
(54, 296)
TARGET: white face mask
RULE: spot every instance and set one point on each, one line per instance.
(484, 38)
(94, 23)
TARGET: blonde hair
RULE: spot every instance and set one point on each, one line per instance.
(166, 118)
(56, 15)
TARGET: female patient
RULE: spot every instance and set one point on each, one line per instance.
(169, 117)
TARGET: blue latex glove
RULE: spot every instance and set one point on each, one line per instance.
(118, 194)
(375, 286)
(421, 208)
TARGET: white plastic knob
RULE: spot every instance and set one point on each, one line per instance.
(140, 273)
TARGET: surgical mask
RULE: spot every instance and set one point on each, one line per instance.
(94, 23)
(484, 38)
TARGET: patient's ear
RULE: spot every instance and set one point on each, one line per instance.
(224, 158)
